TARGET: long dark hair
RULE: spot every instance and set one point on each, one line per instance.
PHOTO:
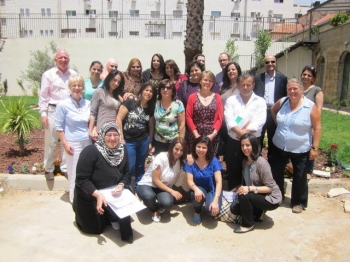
(172, 64)
(161, 63)
(119, 91)
(255, 145)
(226, 82)
(151, 103)
(183, 143)
(205, 140)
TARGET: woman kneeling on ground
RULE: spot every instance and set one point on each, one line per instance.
(204, 179)
(259, 192)
(101, 165)
(161, 175)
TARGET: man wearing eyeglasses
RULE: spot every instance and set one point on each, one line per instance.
(224, 58)
(53, 89)
(270, 85)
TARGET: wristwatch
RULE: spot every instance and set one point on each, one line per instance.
(256, 190)
(314, 148)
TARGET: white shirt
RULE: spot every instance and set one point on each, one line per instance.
(169, 174)
(54, 88)
(237, 114)
(269, 94)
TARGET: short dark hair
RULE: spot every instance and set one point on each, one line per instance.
(173, 65)
(96, 63)
(118, 91)
(226, 83)
(244, 77)
(205, 140)
(255, 145)
(164, 83)
(152, 102)
(161, 62)
(194, 63)
(312, 69)
(183, 143)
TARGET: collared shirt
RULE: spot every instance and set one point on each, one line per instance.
(54, 88)
(294, 128)
(237, 114)
(269, 94)
(73, 120)
(218, 78)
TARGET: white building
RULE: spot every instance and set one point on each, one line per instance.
(165, 19)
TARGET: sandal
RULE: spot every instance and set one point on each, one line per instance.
(297, 209)
(197, 219)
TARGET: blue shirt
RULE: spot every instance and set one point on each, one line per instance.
(293, 133)
(204, 177)
(89, 89)
(72, 119)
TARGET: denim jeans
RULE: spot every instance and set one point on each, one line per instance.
(279, 160)
(137, 152)
(208, 199)
(149, 195)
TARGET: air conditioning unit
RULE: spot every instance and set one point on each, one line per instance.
(236, 39)
(92, 16)
(248, 38)
(179, 7)
(114, 19)
(211, 17)
(155, 22)
(161, 22)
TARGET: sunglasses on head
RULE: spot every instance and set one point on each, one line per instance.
(311, 69)
(268, 62)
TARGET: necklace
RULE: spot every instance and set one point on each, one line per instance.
(205, 98)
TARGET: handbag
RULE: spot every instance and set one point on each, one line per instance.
(225, 214)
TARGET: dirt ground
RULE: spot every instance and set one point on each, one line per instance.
(39, 226)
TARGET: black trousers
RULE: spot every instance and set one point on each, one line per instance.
(270, 126)
(233, 160)
(251, 205)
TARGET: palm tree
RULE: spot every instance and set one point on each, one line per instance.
(20, 119)
(194, 29)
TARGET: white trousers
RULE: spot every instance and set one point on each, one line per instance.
(51, 141)
(72, 163)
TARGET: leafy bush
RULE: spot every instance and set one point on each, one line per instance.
(339, 19)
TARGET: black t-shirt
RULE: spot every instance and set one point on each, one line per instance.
(135, 123)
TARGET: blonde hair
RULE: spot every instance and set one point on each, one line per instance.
(76, 79)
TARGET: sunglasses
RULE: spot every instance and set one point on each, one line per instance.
(268, 62)
(311, 68)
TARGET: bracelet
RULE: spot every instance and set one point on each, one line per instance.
(217, 195)
(248, 189)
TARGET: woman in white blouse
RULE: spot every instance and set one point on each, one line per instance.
(161, 175)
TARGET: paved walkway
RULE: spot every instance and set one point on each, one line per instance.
(39, 226)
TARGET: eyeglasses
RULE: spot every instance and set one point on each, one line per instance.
(112, 135)
(223, 60)
(268, 62)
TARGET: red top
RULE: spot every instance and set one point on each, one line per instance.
(217, 121)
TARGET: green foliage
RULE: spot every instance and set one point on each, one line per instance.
(314, 30)
(232, 49)
(25, 169)
(335, 130)
(339, 19)
(18, 118)
(262, 43)
(41, 61)
(25, 141)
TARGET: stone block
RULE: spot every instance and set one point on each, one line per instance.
(337, 192)
(347, 206)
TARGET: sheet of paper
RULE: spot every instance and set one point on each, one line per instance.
(229, 195)
(124, 205)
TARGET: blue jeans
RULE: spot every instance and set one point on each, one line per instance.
(209, 197)
(137, 152)
(149, 195)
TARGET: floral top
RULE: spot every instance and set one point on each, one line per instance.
(167, 127)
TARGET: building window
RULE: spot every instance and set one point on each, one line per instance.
(155, 34)
(3, 21)
(71, 30)
(2, 2)
(278, 1)
(41, 32)
(48, 11)
(177, 34)
(255, 14)
(235, 15)
(71, 13)
(30, 32)
(21, 11)
(278, 16)
(90, 12)
(155, 14)
(112, 34)
(51, 32)
(90, 30)
(177, 13)
(134, 13)
(113, 14)
(135, 33)
(216, 13)
(42, 11)
(27, 12)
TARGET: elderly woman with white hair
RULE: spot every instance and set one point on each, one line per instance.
(296, 117)
(71, 122)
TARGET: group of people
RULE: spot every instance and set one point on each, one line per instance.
(109, 123)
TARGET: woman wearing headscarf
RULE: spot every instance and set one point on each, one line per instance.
(111, 65)
(101, 165)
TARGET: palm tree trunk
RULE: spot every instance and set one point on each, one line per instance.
(21, 145)
(194, 30)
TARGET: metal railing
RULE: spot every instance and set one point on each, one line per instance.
(143, 26)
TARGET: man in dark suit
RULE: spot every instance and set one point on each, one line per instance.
(271, 86)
